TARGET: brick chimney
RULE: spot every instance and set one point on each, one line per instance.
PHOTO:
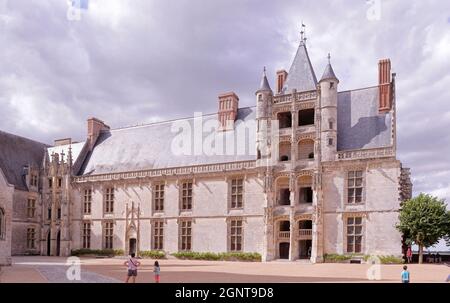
(228, 106)
(281, 78)
(384, 86)
(95, 126)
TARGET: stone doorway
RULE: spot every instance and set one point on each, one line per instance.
(132, 246)
(305, 247)
(284, 250)
(58, 244)
(49, 243)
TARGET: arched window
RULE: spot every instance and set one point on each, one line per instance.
(2, 224)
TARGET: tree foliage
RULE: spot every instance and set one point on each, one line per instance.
(424, 220)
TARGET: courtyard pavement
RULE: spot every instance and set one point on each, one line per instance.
(111, 270)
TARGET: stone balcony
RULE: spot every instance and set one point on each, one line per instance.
(304, 234)
(284, 235)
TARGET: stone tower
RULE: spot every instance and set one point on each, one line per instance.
(328, 113)
(56, 181)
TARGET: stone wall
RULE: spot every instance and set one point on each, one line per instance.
(379, 208)
(6, 201)
(209, 213)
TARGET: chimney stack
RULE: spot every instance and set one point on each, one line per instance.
(281, 78)
(95, 126)
(228, 106)
(384, 86)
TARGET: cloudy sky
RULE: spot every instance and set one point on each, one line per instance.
(132, 62)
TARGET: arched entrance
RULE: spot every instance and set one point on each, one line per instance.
(48, 243)
(305, 239)
(58, 243)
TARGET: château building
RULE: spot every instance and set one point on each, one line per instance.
(315, 174)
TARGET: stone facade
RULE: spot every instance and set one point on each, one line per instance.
(6, 210)
(326, 181)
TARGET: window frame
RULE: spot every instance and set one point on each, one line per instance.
(354, 187)
(185, 237)
(31, 238)
(87, 201)
(235, 238)
(234, 196)
(86, 237)
(158, 197)
(108, 234)
(109, 196)
(31, 208)
(354, 235)
(186, 196)
(158, 235)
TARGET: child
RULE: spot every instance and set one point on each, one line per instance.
(405, 274)
(156, 270)
(132, 265)
(409, 254)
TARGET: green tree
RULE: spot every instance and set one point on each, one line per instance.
(424, 220)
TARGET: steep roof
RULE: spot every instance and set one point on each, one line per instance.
(301, 74)
(359, 124)
(264, 85)
(17, 152)
(328, 73)
(76, 150)
(153, 146)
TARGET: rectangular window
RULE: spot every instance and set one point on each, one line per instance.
(330, 141)
(186, 196)
(330, 124)
(87, 201)
(236, 235)
(158, 235)
(59, 182)
(158, 197)
(109, 200)
(108, 235)
(49, 213)
(31, 208)
(59, 213)
(237, 189)
(86, 235)
(31, 238)
(354, 234)
(185, 235)
(355, 186)
(50, 183)
(34, 180)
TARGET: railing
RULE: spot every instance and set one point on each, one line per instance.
(303, 96)
(284, 234)
(305, 233)
(282, 99)
(366, 153)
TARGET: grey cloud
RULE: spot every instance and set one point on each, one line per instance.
(150, 60)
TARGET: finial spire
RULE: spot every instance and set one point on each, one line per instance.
(329, 57)
(303, 33)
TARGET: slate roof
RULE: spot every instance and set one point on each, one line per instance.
(76, 150)
(264, 85)
(301, 74)
(150, 146)
(17, 152)
(328, 73)
(359, 125)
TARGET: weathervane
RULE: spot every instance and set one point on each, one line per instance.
(303, 32)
